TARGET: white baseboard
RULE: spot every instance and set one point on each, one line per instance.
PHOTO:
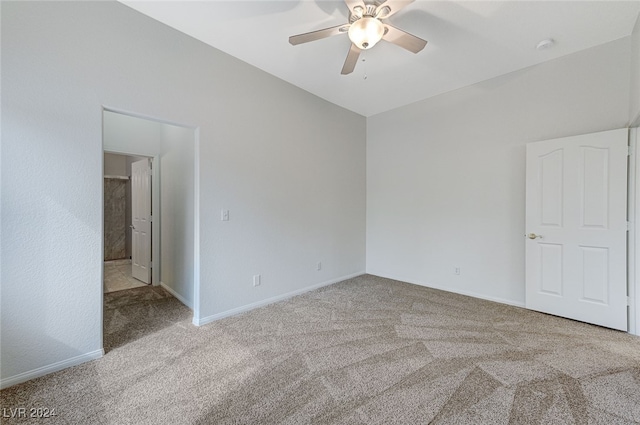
(54, 367)
(454, 290)
(271, 300)
(178, 296)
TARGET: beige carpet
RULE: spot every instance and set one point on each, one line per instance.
(364, 351)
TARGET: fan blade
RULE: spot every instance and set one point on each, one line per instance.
(352, 60)
(317, 35)
(352, 4)
(391, 7)
(403, 39)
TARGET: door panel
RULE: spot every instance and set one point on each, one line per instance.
(595, 187)
(551, 169)
(141, 220)
(594, 267)
(551, 268)
(576, 200)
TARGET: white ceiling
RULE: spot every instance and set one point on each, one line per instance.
(469, 41)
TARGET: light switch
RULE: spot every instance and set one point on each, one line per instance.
(224, 215)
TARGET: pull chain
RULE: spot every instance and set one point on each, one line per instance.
(364, 61)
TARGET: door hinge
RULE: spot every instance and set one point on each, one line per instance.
(628, 225)
(150, 264)
(629, 150)
(151, 221)
(629, 302)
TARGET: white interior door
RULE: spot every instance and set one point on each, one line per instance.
(576, 224)
(141, 220)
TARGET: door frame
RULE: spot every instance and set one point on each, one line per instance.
(633, 205)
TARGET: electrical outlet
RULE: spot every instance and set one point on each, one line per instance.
(256, 280)
(319, 267)
(456, 270)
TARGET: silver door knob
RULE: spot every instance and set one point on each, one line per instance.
(533, 236)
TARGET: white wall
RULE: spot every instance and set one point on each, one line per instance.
(131, 135)
(289, 166)
(177, 211)
(634, 98)
(445, 176)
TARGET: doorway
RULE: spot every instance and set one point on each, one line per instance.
(172, 152)
(126, 254)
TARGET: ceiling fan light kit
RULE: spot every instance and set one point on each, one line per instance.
(366, 29)
(366, 32)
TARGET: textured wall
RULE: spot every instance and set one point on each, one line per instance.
(445, 184)
(289, 166)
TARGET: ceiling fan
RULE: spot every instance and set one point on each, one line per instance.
(365, 29)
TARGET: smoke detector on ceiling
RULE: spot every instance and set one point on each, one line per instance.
(545, 44)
